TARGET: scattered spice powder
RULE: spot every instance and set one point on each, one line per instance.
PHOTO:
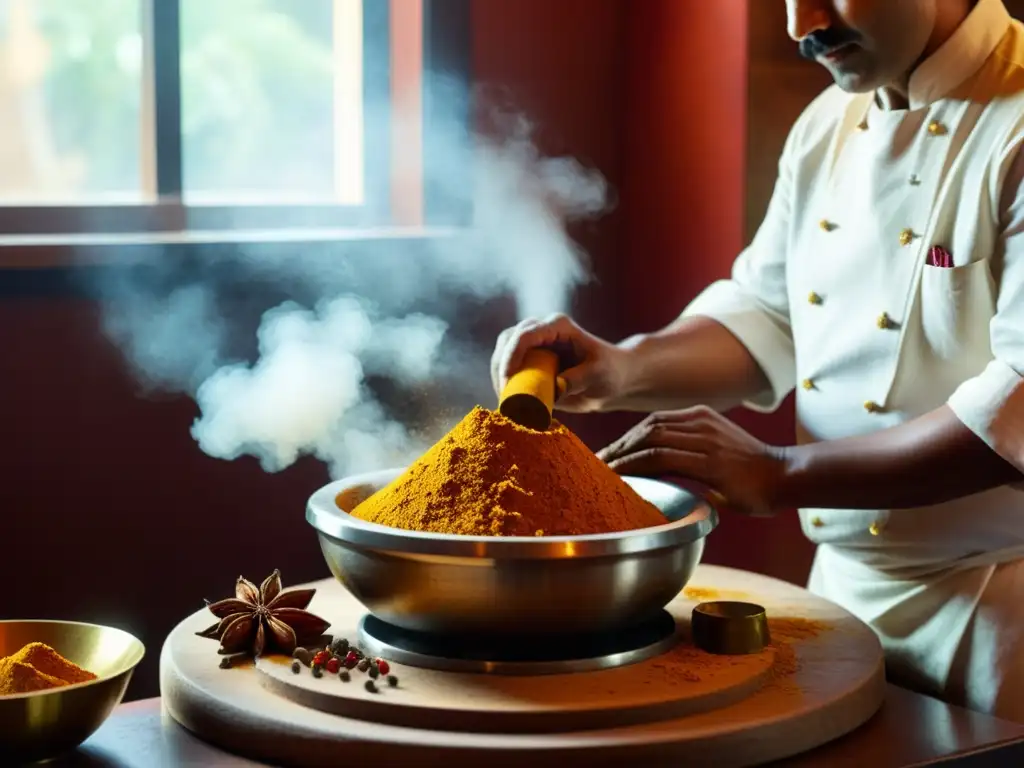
(491, 477)
(686, 663)
(788, 629)
(785, 633)
(786, 665)
(705, 594)
(37, 667)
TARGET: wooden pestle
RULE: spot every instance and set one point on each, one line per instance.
(529, 396)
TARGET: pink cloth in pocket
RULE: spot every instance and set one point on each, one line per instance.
(939, 257)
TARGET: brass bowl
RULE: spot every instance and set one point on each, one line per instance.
(730, 628)
(44, 724)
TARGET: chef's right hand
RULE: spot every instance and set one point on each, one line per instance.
(593, 369)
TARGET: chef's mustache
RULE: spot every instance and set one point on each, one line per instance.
(821, 42)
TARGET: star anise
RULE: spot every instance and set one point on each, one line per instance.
(266, 618)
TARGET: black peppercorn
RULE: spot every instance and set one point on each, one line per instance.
(370, 686)
(318, 671)
(364, 665)
(344, 676)
(373, 672)
(296, 666)
(393, 681)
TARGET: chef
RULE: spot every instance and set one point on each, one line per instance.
(886, 286)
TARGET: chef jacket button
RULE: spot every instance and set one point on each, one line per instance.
(935, 128)
(808, 384)
(875, 528)
(813, 298)
(906, 237)
(826, 226)
(884, 322)
(817, 522)
(872, 407)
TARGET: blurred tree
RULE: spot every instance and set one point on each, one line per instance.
(91, 91)
(257, 96)
(258, 101)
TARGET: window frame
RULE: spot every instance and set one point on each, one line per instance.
(446, 46)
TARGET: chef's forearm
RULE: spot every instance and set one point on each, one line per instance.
(694, 361)
(929, 460)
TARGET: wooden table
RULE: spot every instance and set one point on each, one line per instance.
(910, 730)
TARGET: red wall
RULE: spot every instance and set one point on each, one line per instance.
(112, 514)
(565, 63)
(684, 145)
(684, 197)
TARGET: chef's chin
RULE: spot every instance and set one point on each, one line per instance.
(853, 80)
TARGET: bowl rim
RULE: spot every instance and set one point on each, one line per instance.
(137, 657)
(334, 523)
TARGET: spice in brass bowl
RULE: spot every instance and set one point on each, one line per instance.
(47, 723)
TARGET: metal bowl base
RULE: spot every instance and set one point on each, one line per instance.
(510, 655)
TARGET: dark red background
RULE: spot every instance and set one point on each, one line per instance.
(112, 514)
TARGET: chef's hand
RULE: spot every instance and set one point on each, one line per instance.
(593, 369)
(702, 445)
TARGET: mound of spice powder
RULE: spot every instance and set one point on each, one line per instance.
(491, 477)
(37, 667)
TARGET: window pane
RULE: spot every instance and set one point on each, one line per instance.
(70, 95)
(270, 92)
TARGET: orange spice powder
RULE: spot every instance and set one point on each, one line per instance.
(686, 663)
(38, 667)
(790, 628)
(786, 633)
(706, 594)
(491, 477)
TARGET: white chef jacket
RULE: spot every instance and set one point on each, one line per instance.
(834, 293)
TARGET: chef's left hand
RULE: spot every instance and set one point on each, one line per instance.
(701, 444)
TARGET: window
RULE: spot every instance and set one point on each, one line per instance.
(70, 101)
(272, 101)
(161, 116)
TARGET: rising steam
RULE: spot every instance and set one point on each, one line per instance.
(360, 312)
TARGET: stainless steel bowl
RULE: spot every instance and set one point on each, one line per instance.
(44, 724)
(511, 585)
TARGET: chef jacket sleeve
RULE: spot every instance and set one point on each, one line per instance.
(753, 304)
(992, 403)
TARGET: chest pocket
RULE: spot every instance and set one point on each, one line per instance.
(957, 305)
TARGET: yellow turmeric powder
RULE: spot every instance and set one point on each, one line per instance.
(786, 633)
(38, 667)
(491, 477)
(686, 663)
(707, 594)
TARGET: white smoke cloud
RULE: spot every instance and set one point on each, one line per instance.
(306, 392)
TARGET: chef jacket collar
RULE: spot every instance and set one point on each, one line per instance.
(959, 57)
